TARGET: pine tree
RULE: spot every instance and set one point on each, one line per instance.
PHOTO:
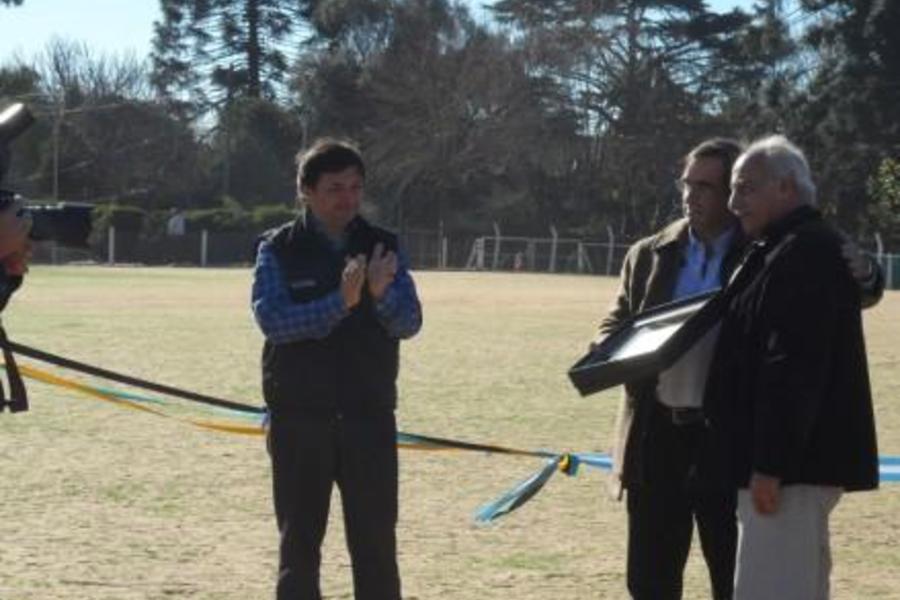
(206, 49)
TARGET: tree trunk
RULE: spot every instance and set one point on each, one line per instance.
(253, 50)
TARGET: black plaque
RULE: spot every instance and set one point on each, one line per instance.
(647, 343)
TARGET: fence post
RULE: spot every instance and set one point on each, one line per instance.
(443, 259)
(440, 237)
(496, 260)
(476, 255)
(889, 280)
(204, 247)
(580, 257)
(610, 249)
(531, 255)
(553, 244)
(111, 246)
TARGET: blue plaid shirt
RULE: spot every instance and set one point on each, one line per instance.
(282, 320)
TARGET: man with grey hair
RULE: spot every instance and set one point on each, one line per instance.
(788, 399)
(659, 434)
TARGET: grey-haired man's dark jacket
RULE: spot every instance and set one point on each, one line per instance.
(788, 390)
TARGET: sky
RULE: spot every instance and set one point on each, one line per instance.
(112, 25)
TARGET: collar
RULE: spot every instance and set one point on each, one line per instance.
(718, 246)
(308, 221)
(773, 232)
(674, 233)
(679, 231)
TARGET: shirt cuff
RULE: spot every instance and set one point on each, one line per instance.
(336, 308)
(387, 306)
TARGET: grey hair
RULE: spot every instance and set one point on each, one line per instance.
(784, 160)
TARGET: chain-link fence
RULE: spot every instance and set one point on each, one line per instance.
(191, 249)
(426, 250)
(891, 265)
(548, 255)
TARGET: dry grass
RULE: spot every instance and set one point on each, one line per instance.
(101, 503)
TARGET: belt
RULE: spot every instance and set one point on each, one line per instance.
(682, 415)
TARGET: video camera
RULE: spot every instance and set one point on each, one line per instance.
(68, 224)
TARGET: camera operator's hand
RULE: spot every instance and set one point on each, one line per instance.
(14, 227)
(16, 263)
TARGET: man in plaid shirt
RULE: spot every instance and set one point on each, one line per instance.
(333, 296)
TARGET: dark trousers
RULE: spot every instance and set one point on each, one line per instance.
(661, 515)
(308, 456)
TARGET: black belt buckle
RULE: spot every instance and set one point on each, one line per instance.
(686, 415)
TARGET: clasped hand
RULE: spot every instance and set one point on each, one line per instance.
(15, 247)
(379, 272)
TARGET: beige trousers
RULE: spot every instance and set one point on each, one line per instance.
(785, 556)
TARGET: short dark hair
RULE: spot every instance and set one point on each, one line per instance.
(726, 150)
(327, 155)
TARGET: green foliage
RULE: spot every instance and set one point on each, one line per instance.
(255, 145)
(217, 220)
(233, 218)
(123, 218)
(884, 209)
(134, 152)
(228, 219)
(151, 225)
(18, 80)
(271, 215)
(843, 110)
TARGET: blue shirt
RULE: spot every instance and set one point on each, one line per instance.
(282, 320)
(683, 384)
(701, 269)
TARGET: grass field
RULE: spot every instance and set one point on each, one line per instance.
(104, 503)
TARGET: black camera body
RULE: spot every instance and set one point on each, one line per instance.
(67, 224)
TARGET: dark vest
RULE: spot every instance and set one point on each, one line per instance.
(353, 370)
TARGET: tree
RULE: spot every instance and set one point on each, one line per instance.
(645, 78)
(884, 208)
(100, 136)
(449, 120)
(844, 110)
(253, 149)
(234, 48)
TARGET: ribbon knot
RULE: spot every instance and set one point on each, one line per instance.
(568, 464)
